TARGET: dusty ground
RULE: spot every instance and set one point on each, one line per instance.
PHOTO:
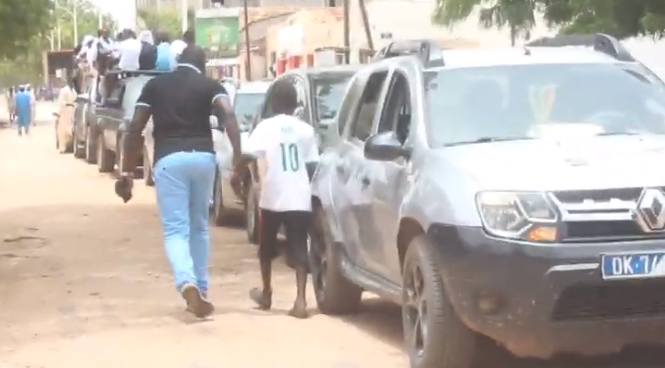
(84, 283)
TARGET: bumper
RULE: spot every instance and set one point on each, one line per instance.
(539, 300)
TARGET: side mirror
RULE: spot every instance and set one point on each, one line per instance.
(112, 102)
(385, 147)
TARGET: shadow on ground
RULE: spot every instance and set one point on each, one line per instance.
(382, 320)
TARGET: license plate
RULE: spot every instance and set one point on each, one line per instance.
(633, 265)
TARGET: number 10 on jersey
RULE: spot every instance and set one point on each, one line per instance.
(290, 157)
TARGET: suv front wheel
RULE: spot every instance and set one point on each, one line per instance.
(335, 294)
(434, 335)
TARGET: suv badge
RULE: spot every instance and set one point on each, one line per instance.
(651, 210)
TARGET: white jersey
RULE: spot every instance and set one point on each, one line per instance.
(283, 145)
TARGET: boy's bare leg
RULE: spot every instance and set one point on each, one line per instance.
(263, 297)
(299, 309)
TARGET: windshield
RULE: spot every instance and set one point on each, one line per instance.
(329, 91)
(247, 106)
(483, 104)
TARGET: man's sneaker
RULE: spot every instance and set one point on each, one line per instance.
(196, 303)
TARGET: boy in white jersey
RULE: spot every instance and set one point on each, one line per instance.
(287, 152)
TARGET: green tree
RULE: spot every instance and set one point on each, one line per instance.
(21, 21)
(87, 22)
(621, 18)
(517, 15)
(164, 20)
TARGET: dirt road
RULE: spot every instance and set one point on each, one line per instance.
(84, 283)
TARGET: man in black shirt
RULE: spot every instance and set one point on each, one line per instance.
(181, 104)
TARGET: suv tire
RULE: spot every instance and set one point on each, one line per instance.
(105, 157)
(90, 153)
(335, 294)
(252, 214)
(147, 169)
(78, 150)
(220, 215)
(451, 343)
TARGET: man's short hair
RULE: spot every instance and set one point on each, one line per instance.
(193, 55)
(285, 99)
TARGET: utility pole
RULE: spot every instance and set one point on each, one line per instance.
(366, 25)
(347, 33)
(76, 24)
(248, 47)
(183, 15)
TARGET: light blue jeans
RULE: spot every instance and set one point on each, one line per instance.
(183, 182)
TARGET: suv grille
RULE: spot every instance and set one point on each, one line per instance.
(628, 299)
(600, 215)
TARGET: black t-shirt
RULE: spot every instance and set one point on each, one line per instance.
(181, 104)
(148, 56)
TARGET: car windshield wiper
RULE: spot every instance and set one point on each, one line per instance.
(488, 140)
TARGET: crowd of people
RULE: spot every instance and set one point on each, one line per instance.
(127, 52)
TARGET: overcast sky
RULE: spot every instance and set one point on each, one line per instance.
(121, 10)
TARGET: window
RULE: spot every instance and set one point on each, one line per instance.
(246, 106)
(350, 97)
(542, 100)
(369, 101)
(329, 89)
(396, 115)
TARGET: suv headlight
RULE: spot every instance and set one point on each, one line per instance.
(518, 215)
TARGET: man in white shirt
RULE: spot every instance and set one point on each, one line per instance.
(286, 151)
(130, 51)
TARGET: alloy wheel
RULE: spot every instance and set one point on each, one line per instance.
(415, 309)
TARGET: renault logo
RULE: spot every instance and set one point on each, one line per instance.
(651, 210)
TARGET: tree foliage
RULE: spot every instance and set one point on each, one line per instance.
(21, 21)
(87, 22)
(24, 37)
(164, 20)
(621, 18)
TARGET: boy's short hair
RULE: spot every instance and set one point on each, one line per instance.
(285, 99)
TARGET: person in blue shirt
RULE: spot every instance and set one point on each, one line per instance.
(165, 58)
(23, 109)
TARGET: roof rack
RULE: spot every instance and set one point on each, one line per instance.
(428, 51)
(599, 42)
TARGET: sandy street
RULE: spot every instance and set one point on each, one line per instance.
(84, 282)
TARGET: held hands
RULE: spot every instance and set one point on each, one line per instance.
(123, 187)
